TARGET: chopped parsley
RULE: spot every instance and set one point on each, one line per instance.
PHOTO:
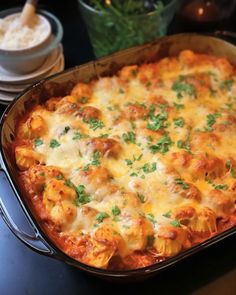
(182, 183)
(129, 137)
(178, 106)
(211, 120)
(175, 223)
(229, 166)
(78, 136)
(141, 197)
(185, 145)
(94, 124)
(217, 186)
(181, 87)
(121, 91)
(101, 216)
(96, 158)
(149, 168)
(179, 122)
(221, 186)
(54, 144)
(81, 196)
(128, 162)
(227, 85)
(162, 146)
(158, 121)
(167, 214)
(133, 125)
(66, 129)
(38, 142)
(151, 218)
(115, 210)
(103, 135)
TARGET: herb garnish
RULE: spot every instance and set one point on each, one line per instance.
(175, 223)
(178, 106)
(227, 85)
(96, 158)
(167, 214)
(101, 216)
(78, 136)
(162, 146)
(151, 218)
(149, 168)
(229, 166)
(66, 129)
(115, 210)
(211, 120)
(38, 142)
(179, 122)
(129, 137)
(157, 121)
(141, 197)
(81, 196)
(182, 183)
(54, 144)
(94, 124)
(182, 87)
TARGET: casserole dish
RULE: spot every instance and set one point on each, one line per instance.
(61, 85)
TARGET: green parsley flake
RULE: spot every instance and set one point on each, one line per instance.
(229, 166)
(129, 137)
(94, 124)
(66, 129)
(167, 214)
(181, 182)
(220, 186)
(185, 145)
(101, 216)
(141, 197)
(227, 85)
(96, 158)
(81, 196)
(151, 218)
(179, 122)
(158, 121)
(54, 144)
(78, 136)
(115, 211)
(149, 168)
(181, 87)
(162, 146)
(211, 120)
(175, 223)
(178, 106)
(38, 142)
(128, 162)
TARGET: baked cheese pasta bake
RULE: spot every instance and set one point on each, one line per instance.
(128, 170)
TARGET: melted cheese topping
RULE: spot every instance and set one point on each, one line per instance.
(165, 135)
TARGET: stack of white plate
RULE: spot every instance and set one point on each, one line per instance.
(12, 84)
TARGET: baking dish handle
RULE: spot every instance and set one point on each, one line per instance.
(34, 241)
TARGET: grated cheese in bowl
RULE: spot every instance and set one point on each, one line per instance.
(14, 36)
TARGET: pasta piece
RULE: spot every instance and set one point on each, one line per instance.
(170, 240)
(82, 92)
(201, 221)
(221, 202)
(26, 157)
(108, 147)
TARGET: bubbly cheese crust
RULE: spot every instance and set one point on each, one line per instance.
(131, 169)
